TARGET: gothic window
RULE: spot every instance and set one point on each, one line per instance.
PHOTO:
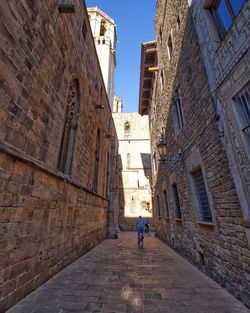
(70, 128)
(204, 211)
(242, 106)
(170, 46)
(224, 12)
(97, 158)
(126, 129)
(128, 160)
(178, 214)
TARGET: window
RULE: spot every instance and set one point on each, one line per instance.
(178, 114)
(224, 13)
(160, 33)
(128, 160)
(158, 206)
(97, 157)
(69, 131)
(242, 101)
(166, 204)
(84, 29)
(126, 130)
(162, 79)
(103, 28)
(201, 196)
(107, 177)
(154, 164)
(170, 47)
(178, 214)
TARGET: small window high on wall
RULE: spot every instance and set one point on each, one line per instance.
(126, 130)
(103, 28)
(69, 131)
(170, 47)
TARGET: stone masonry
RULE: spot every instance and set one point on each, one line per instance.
(135, 168)
(56, 145)
(219, 247)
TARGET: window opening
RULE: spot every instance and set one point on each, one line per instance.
(201, 195)
(158, 206)
(166, 204)
(242, 101)
(178, 214)
(97, 157)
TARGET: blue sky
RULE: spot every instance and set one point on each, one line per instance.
(135, 25)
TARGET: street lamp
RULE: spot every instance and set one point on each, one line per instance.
(174, 163)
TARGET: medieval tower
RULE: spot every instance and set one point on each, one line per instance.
(104, 33)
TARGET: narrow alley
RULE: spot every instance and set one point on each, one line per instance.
(116, 276)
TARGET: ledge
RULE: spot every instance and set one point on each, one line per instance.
(19, 155)
(178, 220)
(206, 224)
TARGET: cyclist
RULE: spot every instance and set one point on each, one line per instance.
(140, 224)
(147, 223)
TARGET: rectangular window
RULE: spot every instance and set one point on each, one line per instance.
(178, 114)
(178, 214)
(242, 101)
(158, 206)
(201, 196)
(166, 211)
(224, 12)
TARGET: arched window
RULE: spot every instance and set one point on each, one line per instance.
(126, 129)
(128, 160)
(97, 158)
(69, 132)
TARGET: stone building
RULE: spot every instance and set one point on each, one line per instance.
(198, 208)
(104, 33)
(135, 166)
(58, 144)
(226, 55)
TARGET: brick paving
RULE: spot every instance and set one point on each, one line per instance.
(117, 277)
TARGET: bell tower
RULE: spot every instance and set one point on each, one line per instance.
(104, 33)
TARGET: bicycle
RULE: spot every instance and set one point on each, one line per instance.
(140, 244)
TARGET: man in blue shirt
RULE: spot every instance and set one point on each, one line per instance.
(140, 224)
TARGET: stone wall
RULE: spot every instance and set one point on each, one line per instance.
(219, 247)
(48, 217)
(227, 63)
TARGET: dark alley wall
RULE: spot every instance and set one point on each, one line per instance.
(218, 246)
(54, 147)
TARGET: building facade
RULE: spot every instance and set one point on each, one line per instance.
(135, 166)
(226, 55)
(197, 208)
(58, 144)
(104, 33)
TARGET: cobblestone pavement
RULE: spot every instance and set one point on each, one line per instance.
(116, 276)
